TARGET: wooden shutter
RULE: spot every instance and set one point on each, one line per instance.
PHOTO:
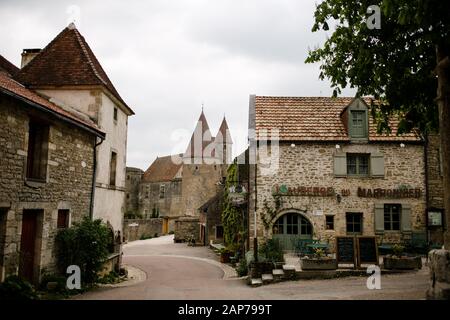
(377, 164)
(379, 218)
(406, 218)
(340, 164)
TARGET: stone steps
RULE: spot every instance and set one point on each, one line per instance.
(278, 274)
(267, 278)
(256, 282)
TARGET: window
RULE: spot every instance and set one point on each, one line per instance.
(329, 222)
(37, 151)
(63, 219)
(115, 114)
(112, 169)
(392, 216)
(219, 232)
(162, 191)
(354, 222)
(358, 124)
(128, 196)
(357, 164)
(128, 177)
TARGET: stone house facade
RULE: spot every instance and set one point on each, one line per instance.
(132, 183)
(327, 173)
(46, 176)
(68, 73)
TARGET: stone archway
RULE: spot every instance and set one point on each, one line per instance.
(289, 227)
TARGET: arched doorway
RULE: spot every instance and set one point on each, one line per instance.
(289, 228)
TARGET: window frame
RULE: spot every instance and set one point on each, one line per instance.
(390, 214)
(66, 222)
(115, 114)
(361, 223)
(358, 157)
(162, 191)
(37, 158)
(113, 171)
(327, 223)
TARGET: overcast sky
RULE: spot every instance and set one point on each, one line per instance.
(167, 57)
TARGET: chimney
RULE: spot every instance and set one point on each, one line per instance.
(28, 55)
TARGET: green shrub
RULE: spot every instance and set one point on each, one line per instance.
(15, 288)
(171, 232)
(133, 215)
(398, 249)
(145, 237)
(272, 251)
(242, 269)
(156, 235)
(85, 245)
(112, 277)
(60, 283)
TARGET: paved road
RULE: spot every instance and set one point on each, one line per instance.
(176, 271)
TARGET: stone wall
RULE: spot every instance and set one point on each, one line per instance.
(134, 229)
(311, 165)
(67, 186)
(132, 182)
(187, 227)
(168, 206)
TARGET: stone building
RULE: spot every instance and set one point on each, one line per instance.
(175, 187)
(327, 173)
(46, 175)
(435, 190)
(160, 191)
(132, 183)
(67, 72)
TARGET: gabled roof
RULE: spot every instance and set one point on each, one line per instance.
(18, 91)
(67, 61)
(163, 169)
(201, 136)
(313, 119)
(7, 66)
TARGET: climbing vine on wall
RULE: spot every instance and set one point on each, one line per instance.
(233, 227)
(270, 212)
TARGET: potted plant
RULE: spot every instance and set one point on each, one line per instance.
(225, 254)
(318, 261)
(399, 260)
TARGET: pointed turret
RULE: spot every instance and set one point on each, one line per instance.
(223, 143)
(200, 139)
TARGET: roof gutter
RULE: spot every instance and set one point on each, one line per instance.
(55, 114)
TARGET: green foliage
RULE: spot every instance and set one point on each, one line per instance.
(395, 64)
(85, 245)
(272, 251)
(133, 215)
(155, 212)
(111, 277)
(269, 212)
(398, 249)
(14, 288)
(242, 269)
(145, 237)
(232, 217)
(171, 232)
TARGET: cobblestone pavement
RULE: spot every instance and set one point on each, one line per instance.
(177, 271)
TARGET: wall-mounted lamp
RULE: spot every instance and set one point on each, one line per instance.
(402, 145)
(338, 146)
(292, 145)
(338, 198)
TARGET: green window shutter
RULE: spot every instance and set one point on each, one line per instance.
(377, 164)
(340, 164)
(406, 218)
(379, 218)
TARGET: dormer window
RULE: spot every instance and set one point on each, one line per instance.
(357, 120)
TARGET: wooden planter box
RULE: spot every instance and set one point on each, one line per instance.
(318, 264)
(402, 263)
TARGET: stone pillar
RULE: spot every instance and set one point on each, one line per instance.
(439, 275)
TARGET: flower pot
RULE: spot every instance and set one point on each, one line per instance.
(318, 264)
(402, 263)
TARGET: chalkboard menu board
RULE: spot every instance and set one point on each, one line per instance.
(345, 250)
(367, 250)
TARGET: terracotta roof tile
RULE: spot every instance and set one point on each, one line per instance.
(162, 169)
(11, 86)
(313, 119)
(7, 66)
(67, 61)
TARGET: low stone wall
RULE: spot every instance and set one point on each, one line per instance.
(187, 227)
(134, 229)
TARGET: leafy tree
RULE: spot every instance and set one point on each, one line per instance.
(404, 64)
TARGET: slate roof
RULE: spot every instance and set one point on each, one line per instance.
(201, 132)
(67, 61)
(162, 169)
(17, 90)
(313, 119)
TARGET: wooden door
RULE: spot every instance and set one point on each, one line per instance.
(165, 226)
(28, 244)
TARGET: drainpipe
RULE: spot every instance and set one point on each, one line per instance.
(255, 239)
(94, 176)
